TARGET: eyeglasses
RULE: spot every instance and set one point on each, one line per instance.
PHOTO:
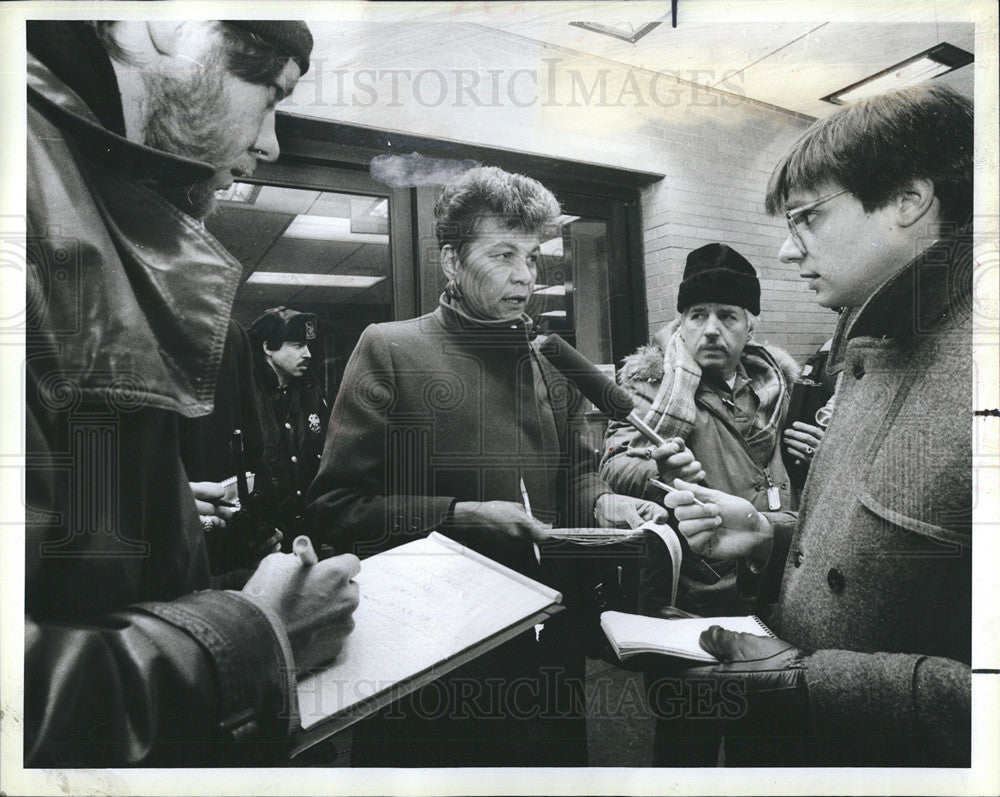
(792, 216)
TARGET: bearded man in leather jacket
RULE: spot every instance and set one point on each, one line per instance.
(130, 658)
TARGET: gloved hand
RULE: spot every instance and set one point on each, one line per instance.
(767, 676)
(762, 664)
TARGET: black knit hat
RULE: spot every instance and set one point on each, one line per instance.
(289, 35)
(717, 273)
(279, 324)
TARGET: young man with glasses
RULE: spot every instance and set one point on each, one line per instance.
(872, 578)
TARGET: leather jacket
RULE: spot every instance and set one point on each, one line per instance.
(129, 658)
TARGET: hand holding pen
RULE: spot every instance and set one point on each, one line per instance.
(313, 600)
(719, 525)
(670, 489)
(673, 460)
(692, 564)
(527, 509)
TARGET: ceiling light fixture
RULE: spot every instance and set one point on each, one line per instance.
(330, 228)
(301, 280)
(624, 31)
(923, 66)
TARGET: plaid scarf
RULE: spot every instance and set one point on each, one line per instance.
(673, 412)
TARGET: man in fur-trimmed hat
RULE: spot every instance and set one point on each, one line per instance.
(714, 395)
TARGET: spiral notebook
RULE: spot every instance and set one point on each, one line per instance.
(631, 634)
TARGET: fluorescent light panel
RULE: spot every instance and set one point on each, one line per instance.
(330, 228)
(550, 290)
(302, 280)
(923, 66)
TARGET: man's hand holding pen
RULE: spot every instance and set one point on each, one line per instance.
(314, 600)
(673, 460)
(719, 525)
(768, 674)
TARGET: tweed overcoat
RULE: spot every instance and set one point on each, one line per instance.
(875, 578)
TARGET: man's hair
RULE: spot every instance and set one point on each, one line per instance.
(520, 202)
(247, 55)
(877, 146)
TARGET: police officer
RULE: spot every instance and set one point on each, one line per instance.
(294, 410)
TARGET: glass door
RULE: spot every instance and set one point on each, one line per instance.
(571, 297)
(306, 245)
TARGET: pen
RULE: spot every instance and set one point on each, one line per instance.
(302, 547)
(691, 563)
(667, 488)
(527, 510)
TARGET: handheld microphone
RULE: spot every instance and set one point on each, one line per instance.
(617, 404)
(600, 391)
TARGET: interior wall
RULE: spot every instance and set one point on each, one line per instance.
(713, 191)
(714, 148)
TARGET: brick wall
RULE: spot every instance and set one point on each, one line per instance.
(714, 193)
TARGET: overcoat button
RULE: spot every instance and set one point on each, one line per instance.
(858, 369)
(835, 579)
(797, 558)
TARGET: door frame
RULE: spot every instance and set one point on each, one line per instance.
(340, 149)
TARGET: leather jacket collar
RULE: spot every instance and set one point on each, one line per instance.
(67, 110)
(155, 288)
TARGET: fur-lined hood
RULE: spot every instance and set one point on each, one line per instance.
(646, 364)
